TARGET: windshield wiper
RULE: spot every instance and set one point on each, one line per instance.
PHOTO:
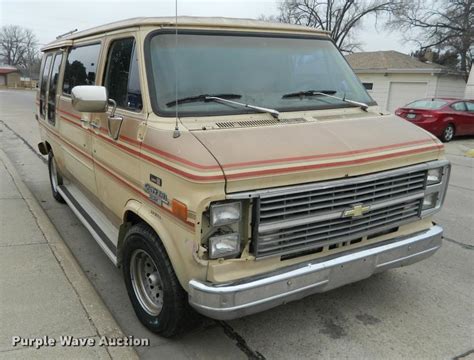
(224, 98)
(308, 93)
(327, 93)
(201, 98)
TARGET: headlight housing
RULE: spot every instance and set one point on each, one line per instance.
(222, 246)
(224, 227)
(225, 213)
(434, 176)
(437, 178)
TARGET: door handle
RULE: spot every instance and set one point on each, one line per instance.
(95, 125)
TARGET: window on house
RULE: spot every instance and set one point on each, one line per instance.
(121, 75)
(81, 67)
(53, 86)
(368, 86)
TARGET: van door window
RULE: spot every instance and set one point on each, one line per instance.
(53, 85)
(44, 83)
(121, 76)
(81, 67)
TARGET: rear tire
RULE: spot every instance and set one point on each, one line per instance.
(55, 178)
(158, 299)
(448, 133)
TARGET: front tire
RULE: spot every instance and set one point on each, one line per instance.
(448, 133)
(55, 178)
(158, 299)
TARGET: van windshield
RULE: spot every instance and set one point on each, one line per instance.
(260, 69)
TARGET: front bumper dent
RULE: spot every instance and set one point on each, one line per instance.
(252, 295)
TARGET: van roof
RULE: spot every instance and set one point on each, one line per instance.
(186, 21)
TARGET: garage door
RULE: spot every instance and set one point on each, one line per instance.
(401, 93)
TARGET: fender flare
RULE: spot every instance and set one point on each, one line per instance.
(144, 213)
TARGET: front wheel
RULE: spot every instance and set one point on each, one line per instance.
(158, 299)
(448, 133)
(55, 178)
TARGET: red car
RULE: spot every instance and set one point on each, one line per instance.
(442, 117)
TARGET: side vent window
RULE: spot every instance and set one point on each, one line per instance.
(44, 83)
(121, 76)
(81, 67)
(53, 86)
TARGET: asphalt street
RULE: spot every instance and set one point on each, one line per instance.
(423, 311)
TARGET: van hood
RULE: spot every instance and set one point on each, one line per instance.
(295, 153)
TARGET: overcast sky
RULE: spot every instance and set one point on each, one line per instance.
(49, 18)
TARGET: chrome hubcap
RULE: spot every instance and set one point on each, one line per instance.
(146, 282)
(54, 176)
(448, 133)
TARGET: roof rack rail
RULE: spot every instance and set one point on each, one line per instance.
(65, 34)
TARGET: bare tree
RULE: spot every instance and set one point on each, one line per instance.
(439, 24)
(19, 47)
(339, 17)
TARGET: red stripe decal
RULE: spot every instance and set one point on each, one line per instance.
(117, 177)
(333, 164)
(263, 162)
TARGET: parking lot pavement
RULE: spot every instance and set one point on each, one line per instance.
(423, 311)
(43, 290)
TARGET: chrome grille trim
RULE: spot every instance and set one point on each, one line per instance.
(271, 226)
(293, 219)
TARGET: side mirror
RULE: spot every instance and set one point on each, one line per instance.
(89, 98)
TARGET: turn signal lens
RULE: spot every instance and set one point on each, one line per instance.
(179, 209)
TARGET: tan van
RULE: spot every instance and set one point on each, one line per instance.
(231, 166)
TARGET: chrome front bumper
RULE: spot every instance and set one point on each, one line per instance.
(252, 295)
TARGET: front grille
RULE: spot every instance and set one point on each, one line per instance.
(310, 217)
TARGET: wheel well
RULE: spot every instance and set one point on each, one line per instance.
(129, 219)
(132, 218)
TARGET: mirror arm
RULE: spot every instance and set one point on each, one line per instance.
(114, 106)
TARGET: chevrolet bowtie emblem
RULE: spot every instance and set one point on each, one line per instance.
(357, 210)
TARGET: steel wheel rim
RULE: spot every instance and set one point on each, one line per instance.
(146, 282)
(448, 133)
(54, 176)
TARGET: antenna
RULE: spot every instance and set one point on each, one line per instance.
(176, 132)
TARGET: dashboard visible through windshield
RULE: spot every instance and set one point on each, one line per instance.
(258, 69)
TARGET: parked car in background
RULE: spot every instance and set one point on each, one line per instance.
(442, 117)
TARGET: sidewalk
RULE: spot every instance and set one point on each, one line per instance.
(44, 295)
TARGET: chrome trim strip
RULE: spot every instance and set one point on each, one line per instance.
(252, 295)
(332, 183)
(89, 226)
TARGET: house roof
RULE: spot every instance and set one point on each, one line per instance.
(392, 62)
(187, 21)
(7, 69)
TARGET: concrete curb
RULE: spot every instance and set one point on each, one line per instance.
(100, 317)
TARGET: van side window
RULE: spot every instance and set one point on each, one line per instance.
(81, 67)
(44, 83)
(121, 76)
(53, 85)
